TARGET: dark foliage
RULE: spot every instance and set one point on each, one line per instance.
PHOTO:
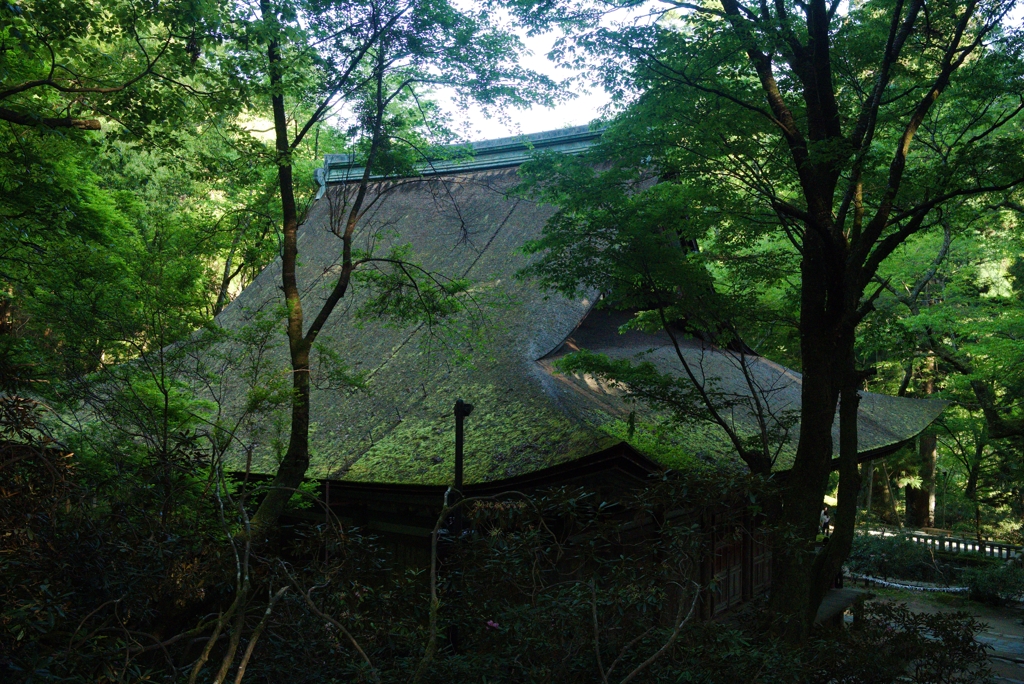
(897, 557)
(111, 577)
(994, 583)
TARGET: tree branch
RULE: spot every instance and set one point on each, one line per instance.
(23, 119)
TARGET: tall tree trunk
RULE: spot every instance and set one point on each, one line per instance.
(293, 467)
(891, 498)
(974, 473)
(225, 281)
(797, 573)
(869, 483)
(296, 460)
(921, 500)
(883, 500)
(829, 562)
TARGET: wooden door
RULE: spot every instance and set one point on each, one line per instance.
(760, 562)
(728, 563)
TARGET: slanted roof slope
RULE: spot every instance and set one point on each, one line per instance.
(400, 428)
(884, 422)
(464, 222)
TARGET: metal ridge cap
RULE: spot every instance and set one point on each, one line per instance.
(535, 140)
(494, 145)
(485, 154)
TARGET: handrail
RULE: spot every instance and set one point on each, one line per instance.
(948, 544)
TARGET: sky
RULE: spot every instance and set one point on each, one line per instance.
(579, 110)
(583, 105)
(576, 111)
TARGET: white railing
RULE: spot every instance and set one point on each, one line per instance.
(941, 542)
(992, 549)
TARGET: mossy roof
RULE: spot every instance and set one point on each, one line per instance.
(400, 427)
(733, 381)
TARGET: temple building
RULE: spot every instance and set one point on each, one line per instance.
(387, 450)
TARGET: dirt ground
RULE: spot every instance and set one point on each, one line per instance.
(1004, 627)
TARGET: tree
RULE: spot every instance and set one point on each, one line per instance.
(92, 218)
(954, 306)
(374, 57)
(62, 63)
(842, 133)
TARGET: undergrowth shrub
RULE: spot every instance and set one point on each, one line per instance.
(105, 579)
(994, 583)
(896, 557)
(889, 644)
(94, 564)
(893, 644)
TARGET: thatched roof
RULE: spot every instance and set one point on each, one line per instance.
(741, 385)
(463, 223)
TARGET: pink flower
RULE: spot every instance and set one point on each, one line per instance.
(491, 624)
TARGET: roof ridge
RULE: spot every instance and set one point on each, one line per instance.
(477, 156)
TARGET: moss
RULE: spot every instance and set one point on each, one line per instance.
(670, 446)
(400, 428)
(505, 436)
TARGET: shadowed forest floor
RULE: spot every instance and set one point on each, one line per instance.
(1003, 633)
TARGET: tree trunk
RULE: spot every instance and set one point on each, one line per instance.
(225, 281)
(797, 573)
(868, 487)
(829, 562)
(891, 497)
(971, 490)
(883, 502)
(293, 467)
(296, 460)
(974, 473)
(921, 500)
